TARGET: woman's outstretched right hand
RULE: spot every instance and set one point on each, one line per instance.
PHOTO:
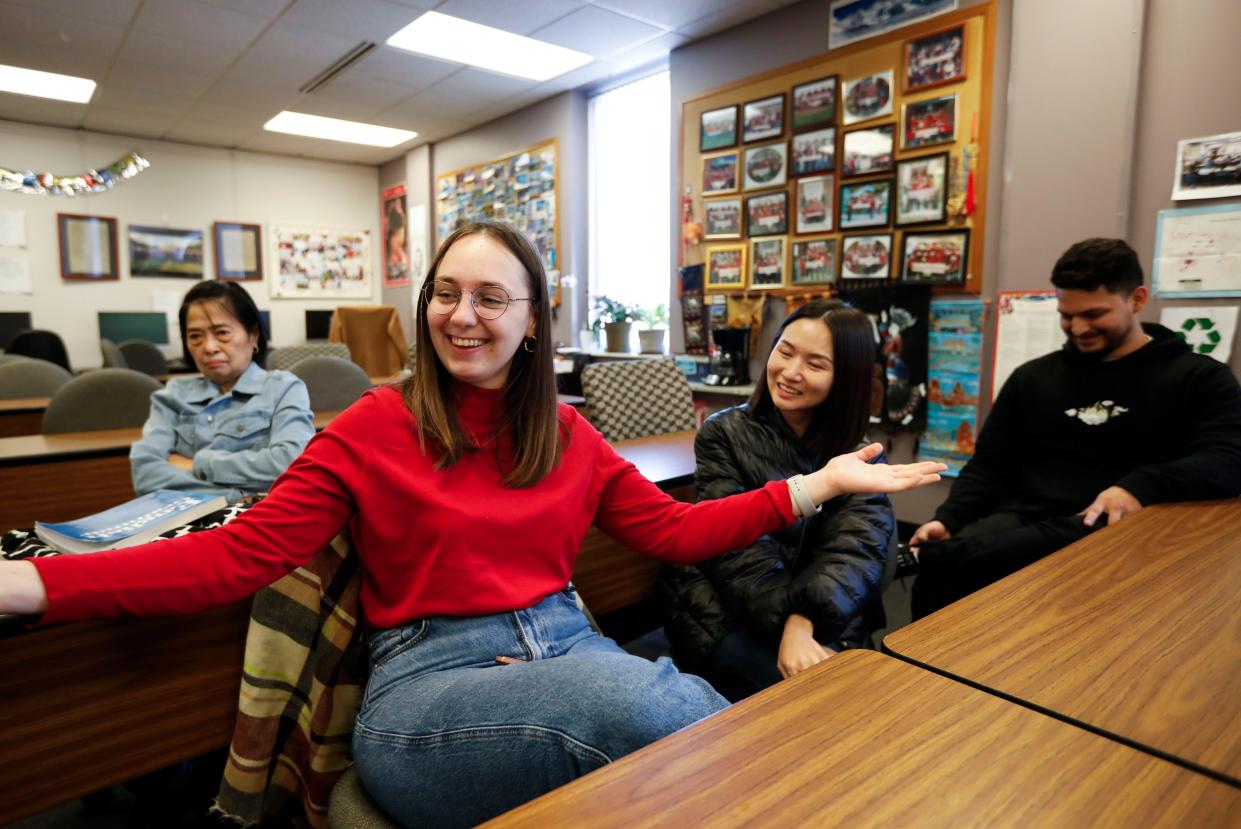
(854, 472)
(21, 589)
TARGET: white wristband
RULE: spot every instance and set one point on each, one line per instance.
(801, 497)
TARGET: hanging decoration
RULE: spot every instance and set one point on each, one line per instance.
(92, 181)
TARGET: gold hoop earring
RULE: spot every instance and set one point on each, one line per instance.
(528, 344)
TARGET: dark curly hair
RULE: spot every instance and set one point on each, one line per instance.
(1098, 263)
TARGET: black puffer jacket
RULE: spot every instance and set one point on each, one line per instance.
(828, 568)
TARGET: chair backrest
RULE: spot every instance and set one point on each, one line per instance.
(13, 358)
(44, 345)
(637, 398)
(112, 356)
(333, 383)
(141, 355)
(110, 398)
(287, 356)
(374, 335)
(24, 377)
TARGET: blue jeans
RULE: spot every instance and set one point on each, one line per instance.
(447, 736)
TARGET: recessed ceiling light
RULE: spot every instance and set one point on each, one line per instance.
(45, 84)
(451, 38)
(334, 129)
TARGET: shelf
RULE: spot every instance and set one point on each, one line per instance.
(733, 391)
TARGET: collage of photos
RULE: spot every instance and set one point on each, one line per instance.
(862, 164)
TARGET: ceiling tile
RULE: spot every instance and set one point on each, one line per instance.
(177, 53)
(661, 12)
(251, 95)
(225, 28)
(214, 133)
(648, 52)
(80, 64)
(398, 66)
(39, 111)
(115, 12)
(136, 100)
(44, 30)
(518, 16)
(483, 86)
(725, 18)
(372, 20)
(290, 57)
(127, 122)
(261, 8)
(157, 79)
(229, 116)
(597, 32)
(361, 92)
(426, 107)
(278, 142)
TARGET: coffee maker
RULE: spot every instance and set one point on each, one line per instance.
(730, 357)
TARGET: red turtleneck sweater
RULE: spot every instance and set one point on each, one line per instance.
(448, 542)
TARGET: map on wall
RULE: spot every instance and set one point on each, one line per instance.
(317, 262)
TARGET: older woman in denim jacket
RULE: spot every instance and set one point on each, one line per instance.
(232, 430)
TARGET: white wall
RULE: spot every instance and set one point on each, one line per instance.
(186, 187)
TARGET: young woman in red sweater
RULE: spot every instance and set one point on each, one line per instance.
(468, 492)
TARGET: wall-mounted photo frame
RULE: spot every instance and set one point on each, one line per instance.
(719, 174)
(721, 218)
(763, 118)
(867, 97)
(935, 257)
(1208, 168)
(813, 152)
(725, 267)
(767, 214)
(88, 247)
(816, 197)
(238, 251)
(165, 252)
(852, 20)
(865, 204)
(922, 190)
(934, 60)
(929, 122)
(768, 263)
(765, 166)
(320, 262)
(813, 261)
(814, 102)
(866, 257)
(868, 151)
(717, 129)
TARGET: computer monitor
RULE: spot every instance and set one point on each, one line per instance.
(318, 324)
(11, 324)
(119, 326)
(266, 321)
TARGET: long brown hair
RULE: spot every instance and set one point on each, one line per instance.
(530, 411)
(839, 422)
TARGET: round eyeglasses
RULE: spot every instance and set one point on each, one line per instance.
(489, 301)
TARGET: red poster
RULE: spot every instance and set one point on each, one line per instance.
(395, 226)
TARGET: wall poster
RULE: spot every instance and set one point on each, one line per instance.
(954, 367)
(1027, 325)
(394, 225)
(316, 262)
(1198, 252)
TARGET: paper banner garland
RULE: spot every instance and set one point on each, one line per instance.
(91, 181)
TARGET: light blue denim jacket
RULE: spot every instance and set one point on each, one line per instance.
(240, 441)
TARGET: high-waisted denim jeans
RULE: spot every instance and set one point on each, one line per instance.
(448, 736)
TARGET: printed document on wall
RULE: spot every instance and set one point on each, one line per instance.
(1198, 252)
(1027, 325)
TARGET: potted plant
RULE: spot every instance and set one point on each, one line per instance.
(616, 318)
(651, 339)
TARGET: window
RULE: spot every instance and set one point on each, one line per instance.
(630, 150)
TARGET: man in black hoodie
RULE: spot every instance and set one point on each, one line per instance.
(1124, 416)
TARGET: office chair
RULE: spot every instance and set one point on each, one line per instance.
(110, 398)
(287, 356)
(142, 356)
(13, 358)
(112, 356)
(23, 377)
(42, 345)
(637, 398)
(333, 383)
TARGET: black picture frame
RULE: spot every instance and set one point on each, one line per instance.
(88, 247)
(164, 252)
(775, 224)
(767, 115)
(861, 194)
(935, 266)
(814, 103)
(924, 200)
(223, 239)
(725, 138)
(868, 151)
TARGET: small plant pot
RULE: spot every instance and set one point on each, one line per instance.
(618, 336)
(651, 340)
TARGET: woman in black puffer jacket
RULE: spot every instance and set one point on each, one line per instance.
(791, 599)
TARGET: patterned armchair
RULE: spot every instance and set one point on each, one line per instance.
(638, 398)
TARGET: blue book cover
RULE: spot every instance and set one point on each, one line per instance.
(133, 522)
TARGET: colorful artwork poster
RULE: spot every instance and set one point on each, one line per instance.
(395, 224)
(314, 263)
(898, 388)
(954, 365)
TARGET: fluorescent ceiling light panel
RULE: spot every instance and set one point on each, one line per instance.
(334, 129)
(45, 84)
(451, 38)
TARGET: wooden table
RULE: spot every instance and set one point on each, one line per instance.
(22, 416)
(1134, 631)
(865, 740)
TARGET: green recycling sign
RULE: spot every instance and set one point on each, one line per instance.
(1200, 334)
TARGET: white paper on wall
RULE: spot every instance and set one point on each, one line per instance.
(14, 275)
(1207, 331)
(12, 228)
(1027, 326)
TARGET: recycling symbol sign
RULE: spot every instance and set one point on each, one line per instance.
(1199, 334)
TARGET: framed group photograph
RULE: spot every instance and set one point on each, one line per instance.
(88, 247)
(922, 189)
(813, 261)
(717, 129)
(868, 97)
(320, 262)
(866, 204)
(767, 214)
(930, 122)
(868, 151)
(725, 267)
(765, 166)
(768, 263)
(1208, 168)
(814, 103)
(763, 118)
(719, 174)
(722, 218)
(814, 152)
(162, 251)
(852, 20)
(935, 59)
(935, 257)
(814, 204)
(866, 257)
(238, 251)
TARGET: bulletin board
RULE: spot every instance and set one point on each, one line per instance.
(521, 188)
(814, 260)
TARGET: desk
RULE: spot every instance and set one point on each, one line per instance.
(865, 740)
(22, 416)
(1134, 631)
